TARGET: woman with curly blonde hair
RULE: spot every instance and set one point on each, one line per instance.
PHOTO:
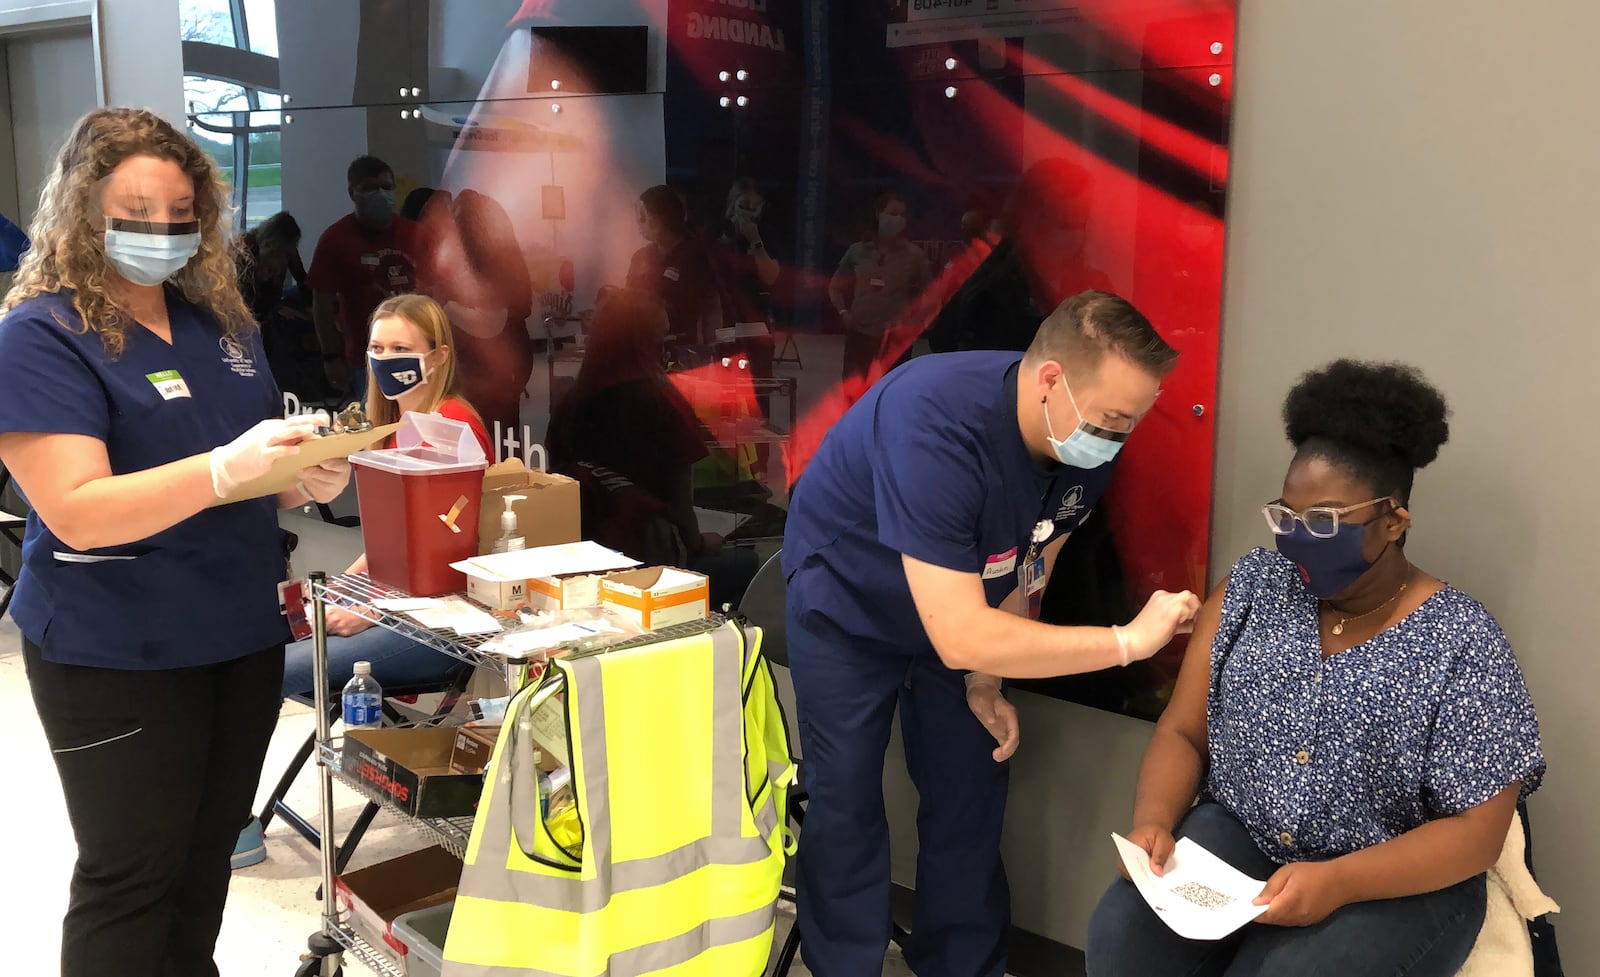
(134, 398)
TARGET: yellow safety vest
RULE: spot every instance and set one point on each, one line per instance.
(672, 860)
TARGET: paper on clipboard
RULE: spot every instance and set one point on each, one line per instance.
(284, 474)
(1198, 896)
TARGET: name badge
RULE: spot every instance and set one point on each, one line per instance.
(1033, 581)
(671, 274)
(169, 384)
(371, 260)
(1000, 564)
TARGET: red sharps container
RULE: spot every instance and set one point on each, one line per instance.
(419, 504)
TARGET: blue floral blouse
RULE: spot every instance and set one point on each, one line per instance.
(1320, 758)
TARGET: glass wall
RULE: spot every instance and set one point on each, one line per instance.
(840, 186)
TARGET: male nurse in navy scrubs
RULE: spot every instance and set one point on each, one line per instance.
(918, 545)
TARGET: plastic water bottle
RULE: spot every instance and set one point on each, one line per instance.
(363, 699)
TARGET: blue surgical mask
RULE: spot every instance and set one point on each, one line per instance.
(375, 206)
(398, 373)
(1088, 446)
(1328, 565)
(891, 225)
(148, 253)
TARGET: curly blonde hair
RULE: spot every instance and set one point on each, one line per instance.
(68, 244)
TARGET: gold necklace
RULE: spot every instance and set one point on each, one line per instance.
(1338, 629)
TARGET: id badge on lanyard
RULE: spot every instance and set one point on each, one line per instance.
(1030, 572)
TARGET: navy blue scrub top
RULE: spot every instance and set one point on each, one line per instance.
(930, 464)
(201, 592)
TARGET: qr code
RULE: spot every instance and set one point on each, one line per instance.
(1204, 896)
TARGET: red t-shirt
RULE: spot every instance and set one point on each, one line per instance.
(362, 267)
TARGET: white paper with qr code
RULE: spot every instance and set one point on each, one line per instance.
(1198, 896)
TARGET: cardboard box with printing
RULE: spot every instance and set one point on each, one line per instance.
(657, 597)
(548, 512)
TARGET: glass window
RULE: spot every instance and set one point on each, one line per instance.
(261, 22)
(208, 20)
(263, 195)
(205, 96)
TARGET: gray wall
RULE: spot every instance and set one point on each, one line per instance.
(1414, 182)
(1419, 182)
(141, 54)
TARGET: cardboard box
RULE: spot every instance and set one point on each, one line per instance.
(548, 515)
(412, 766)
(546, 578)
(657, 597)
(474, 747)
(373, 897)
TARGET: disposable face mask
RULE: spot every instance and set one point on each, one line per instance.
(1328, 565)
(147, 253)
(1087, 446)
(398, 373)
(891, 225)
(375, 206)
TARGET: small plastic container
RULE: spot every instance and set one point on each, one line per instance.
(423, 932)
(419, 504)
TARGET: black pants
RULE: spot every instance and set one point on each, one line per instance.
(159, 770)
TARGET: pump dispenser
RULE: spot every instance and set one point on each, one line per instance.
(510, 539)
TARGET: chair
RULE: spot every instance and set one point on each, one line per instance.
(452, 689)
(12, 525)
(763, 605)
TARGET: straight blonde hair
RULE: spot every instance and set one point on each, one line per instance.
(429, 319)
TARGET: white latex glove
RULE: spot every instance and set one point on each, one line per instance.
(996, 714)
(1164, 617)
(252, 453)
(325, 481)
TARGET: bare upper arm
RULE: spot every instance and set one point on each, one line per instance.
(1186, 713)
(946, 600)
(48, 468)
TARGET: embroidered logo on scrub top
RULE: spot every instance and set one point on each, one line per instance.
(237, 357)
(1071, 504)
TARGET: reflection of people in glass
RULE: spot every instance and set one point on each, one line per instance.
(748, 272)
(269, 256)
(361, 259)
(674, 267)
(876, 279)
(1039, 261)
(624, 414)
(489, 298)
(918, 542)
(1357, 731)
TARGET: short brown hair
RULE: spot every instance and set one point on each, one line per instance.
(1085, 327)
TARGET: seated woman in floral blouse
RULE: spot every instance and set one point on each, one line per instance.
(1357, 732)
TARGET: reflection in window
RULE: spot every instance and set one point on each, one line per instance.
(210, 21)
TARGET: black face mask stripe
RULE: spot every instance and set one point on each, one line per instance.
(149, 227)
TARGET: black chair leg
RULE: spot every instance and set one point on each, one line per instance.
(357, 831)
(791, 947)
(274, 802)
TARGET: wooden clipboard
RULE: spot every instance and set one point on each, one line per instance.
(285, 473)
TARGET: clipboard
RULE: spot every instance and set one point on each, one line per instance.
(284, 474)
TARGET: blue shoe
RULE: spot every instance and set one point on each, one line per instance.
(251, 848)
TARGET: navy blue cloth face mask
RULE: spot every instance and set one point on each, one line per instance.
(1328, 565)
(398, 373)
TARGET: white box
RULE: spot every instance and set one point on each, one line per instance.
(657, 597)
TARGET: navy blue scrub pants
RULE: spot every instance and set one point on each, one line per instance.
(846, 695)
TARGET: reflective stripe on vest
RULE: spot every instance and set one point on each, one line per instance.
(680, 866)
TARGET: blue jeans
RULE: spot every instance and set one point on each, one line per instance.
(1420, 936)
(396, 661)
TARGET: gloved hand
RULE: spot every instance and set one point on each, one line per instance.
(252, 453)
(1164, 616)
(325, 481)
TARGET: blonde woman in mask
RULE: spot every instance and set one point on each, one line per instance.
(134, 396)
